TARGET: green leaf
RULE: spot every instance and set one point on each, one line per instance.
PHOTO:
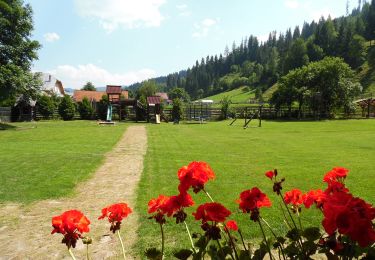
(311, 233)
(183, 254)
(153, 254)
(293, 234)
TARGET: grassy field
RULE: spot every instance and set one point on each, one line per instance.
(47, 159)
(301, 151)
(238, 95)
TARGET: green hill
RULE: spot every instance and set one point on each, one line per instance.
(238, 95)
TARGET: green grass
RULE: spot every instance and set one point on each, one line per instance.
(47, 159)
(301, 151)
(238, 95)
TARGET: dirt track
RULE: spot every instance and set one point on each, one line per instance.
(25, 232)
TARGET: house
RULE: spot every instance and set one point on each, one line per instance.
(51, 85)
(164, 98)
(92, 96)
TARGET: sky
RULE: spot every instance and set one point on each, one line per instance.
(121, 42)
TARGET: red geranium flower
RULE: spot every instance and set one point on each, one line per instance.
(336, 174)
(211, 212)
(116, 213)
(232, 225)
(349, 216)
(71, 224)
(176, 203)
(253, 199)
(314, 196)
(270, 174)
(294, 197)
(195, 175)
(158, 204)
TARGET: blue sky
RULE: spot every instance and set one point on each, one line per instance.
(125, 41)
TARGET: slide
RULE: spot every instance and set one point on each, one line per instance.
(109, 113)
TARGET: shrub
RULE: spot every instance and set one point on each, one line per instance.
(225, 103)
(67, 108)
(85, 109)
(177, 111)
(102, 107)
(46, 106)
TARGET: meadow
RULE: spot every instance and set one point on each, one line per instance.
(47, 159)
(301, 151)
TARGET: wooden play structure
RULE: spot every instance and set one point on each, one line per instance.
(199, 111)
(248, 114)
(117, 105)
(367, 105)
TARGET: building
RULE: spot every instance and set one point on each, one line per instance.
(51, 85)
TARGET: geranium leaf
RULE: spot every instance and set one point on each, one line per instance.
(153, 254)
(311, 233)
(183, 254)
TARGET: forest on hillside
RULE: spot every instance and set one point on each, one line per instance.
(262, 64)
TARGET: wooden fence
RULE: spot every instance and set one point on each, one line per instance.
(5, 114)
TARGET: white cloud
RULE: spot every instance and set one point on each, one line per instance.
(183, 10)
(77, 76)
(292, 4)
(51, 37)
(128, 14)
(202, 28)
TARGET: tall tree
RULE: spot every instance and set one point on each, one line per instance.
(17, 51)
(89, 87)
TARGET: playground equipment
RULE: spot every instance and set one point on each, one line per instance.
(109, 113)
(199, 110)
(248, 114)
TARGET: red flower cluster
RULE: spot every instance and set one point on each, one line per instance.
(253, 199)
(71, 224)
(294, 197)
(173, 205)
(350, 216)
(211, 212)
(314, 196)
(335, 180)
(195, 175)
(116, 213)
(232, 225)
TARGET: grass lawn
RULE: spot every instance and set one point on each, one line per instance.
(47, 159)
(302, 152)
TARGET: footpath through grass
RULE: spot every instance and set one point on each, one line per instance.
(302, 152)
(47, 159)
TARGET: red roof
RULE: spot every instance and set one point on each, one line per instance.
(153, 100)
(91, 95)
(113, 89)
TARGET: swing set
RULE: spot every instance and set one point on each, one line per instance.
(248, 114)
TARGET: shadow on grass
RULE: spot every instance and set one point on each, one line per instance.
(4, 126)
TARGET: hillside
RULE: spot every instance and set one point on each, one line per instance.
(238, 95)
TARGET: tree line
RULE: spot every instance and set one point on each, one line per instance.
(262, 64)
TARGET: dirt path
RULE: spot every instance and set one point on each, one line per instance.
(25, 231)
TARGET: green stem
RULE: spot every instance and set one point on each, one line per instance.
(243, 243)
(231, 242)
(71, 254)
(191, 239)
(273, 233)
(299, 220)
(221, 249)
(122, 244)
(265, 239)
(162, 241)
(87, 252)
(300, 242)
(208, 195)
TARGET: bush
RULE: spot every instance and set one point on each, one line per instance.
(102, 107)
(177, 111)
(225, 103)
(46, 106)
(67, 108)
(85, 109)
